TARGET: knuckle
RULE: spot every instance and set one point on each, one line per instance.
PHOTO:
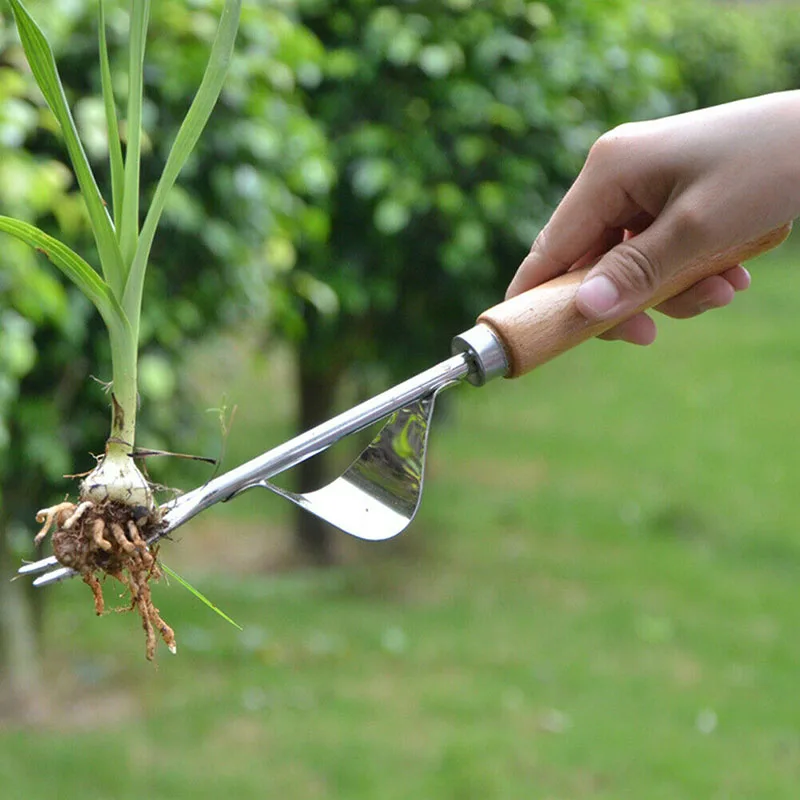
(639, 272)
(689, 222)
(602, 150)
(539, 244)
(613, 143)
(541, 247)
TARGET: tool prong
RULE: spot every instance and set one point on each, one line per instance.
(54, 576)
(38, 566)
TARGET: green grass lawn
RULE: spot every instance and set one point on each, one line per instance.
(599, 599)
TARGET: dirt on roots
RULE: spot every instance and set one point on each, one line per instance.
(110, 538)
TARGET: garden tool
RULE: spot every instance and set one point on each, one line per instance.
(378, 495)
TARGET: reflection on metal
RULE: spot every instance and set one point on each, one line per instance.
(485, 351)
(379, 494)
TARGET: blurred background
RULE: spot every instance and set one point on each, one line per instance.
(599, 597)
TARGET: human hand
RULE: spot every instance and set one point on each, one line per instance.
(656, 195)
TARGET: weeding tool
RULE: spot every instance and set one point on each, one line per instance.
(378, 495)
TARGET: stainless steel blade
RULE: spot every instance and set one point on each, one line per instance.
(253, 473)
(379, 494)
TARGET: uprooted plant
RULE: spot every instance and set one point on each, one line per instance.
(107, 529)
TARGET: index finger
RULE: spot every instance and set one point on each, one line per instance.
(586, 223)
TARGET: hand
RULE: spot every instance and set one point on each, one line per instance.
(655, 195)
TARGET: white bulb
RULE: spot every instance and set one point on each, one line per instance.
(117, 478)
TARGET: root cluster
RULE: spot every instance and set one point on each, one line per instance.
(110, 538)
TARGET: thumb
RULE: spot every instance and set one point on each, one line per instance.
(626, 277)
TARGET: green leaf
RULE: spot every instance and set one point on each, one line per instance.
(43, 65)
(112, 127)
(186, 585)
(71, 264)
(196, 119)
(129, 223)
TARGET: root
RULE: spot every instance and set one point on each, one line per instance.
(142, 600)
(149, 632)
(120, 538)
(136, 537)
(97, 591)
(77, 514)
(48, 516)
(110, 539)
(98, 527)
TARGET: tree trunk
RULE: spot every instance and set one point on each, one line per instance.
(21, 685)
(316, 398)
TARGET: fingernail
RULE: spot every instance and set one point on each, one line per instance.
(747, 279)
(597, 296)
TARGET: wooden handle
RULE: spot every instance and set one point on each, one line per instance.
(543, 322)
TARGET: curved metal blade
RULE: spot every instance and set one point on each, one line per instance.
(379, 493)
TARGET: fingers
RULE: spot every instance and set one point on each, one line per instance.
(738, 277)
(628, 275)
(714, 292)
(588, 222)
(639, 329)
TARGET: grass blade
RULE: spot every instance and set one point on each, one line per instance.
(43, 65)
(112, 126)
(71, 264)
(129, 222)
(186, 585)
(196, 119)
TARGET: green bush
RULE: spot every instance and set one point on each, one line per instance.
(726, 51)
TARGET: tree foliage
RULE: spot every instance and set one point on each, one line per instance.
(727, 52)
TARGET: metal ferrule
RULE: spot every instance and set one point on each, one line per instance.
(485, 354)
